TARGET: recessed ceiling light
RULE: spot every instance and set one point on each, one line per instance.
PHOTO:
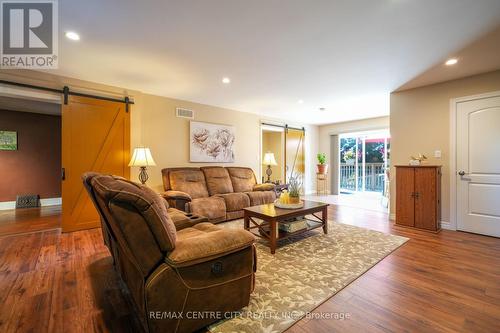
(300, 101)
(451, 61)
(226, 80)
(72, 35)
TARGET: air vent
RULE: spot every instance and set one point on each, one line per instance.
(184, 113)
(27, 201)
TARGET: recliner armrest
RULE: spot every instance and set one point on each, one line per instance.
(264, 187)
(176, 195)
(211, 243)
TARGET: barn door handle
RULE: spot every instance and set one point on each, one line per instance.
(63, 174)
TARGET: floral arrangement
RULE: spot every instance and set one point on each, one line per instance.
(294, 187)
(349, 155)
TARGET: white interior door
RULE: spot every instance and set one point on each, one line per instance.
(478, 166)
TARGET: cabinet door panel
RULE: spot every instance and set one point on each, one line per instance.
(426, 198)
(405, 206)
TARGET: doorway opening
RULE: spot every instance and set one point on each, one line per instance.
(273, 154)
(283, 154)
(30, 164)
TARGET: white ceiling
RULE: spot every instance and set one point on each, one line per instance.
(480, 56)
(346, 56)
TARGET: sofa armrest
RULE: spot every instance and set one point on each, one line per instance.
(264, 187)
(209, 245)
(176, 195)
(177, 199)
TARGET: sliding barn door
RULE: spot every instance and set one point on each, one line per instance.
(95, 137)
(295, 154)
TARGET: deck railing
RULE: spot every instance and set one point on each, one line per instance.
(374, 177)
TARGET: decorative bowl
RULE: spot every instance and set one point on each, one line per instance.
(278, 204)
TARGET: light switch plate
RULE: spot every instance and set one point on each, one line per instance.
(437, 153)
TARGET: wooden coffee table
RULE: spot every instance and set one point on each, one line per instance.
(270, 216)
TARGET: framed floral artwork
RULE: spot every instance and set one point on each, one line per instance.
(211, 142)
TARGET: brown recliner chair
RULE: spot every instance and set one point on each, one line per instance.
(196, 270)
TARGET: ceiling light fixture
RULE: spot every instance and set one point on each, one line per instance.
(300, 101)
(226, 80)
(451, 61)
(72, 35)
(322, 109)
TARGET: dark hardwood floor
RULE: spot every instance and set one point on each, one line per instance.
(18, 221)
(446, 282)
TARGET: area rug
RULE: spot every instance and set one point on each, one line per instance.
(304, 273)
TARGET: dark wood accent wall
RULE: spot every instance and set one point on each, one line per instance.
(34, 168)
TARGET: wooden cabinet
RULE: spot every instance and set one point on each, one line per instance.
(418, 196)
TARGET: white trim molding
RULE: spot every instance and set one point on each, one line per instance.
(447, 225)
(453, 154)
(7, 205)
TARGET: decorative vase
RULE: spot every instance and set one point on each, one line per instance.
(294, 200)
(322, 169)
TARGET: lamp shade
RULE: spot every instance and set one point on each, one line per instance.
(142, 158)
(269, 159)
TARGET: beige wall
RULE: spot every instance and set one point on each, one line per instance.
(325, 131)
(168, 136)
(154, 124)
(420, 123)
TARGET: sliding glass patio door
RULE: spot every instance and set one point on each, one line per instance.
(364, 160)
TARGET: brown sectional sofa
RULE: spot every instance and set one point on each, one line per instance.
(169, 263)
(219, 193)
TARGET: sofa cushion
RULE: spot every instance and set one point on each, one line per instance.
(234, 215)
(264, 187)
(235, 201)
(205, 241)
(189, 181)
(218, 181)
(213, 207)
(243, 179)
(261, 197)
(147, 203)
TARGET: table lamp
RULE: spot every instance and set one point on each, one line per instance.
(142, 158)
(269, 160)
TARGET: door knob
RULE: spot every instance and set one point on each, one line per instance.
(461, 173)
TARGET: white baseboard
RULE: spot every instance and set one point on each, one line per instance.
(6, 205)
(51, 202)
(447, 225)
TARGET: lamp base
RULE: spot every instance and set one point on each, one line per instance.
(143, 175)
(269, 172)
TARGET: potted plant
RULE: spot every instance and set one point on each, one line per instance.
(322, 166)
(349, 157)
(294, 190)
